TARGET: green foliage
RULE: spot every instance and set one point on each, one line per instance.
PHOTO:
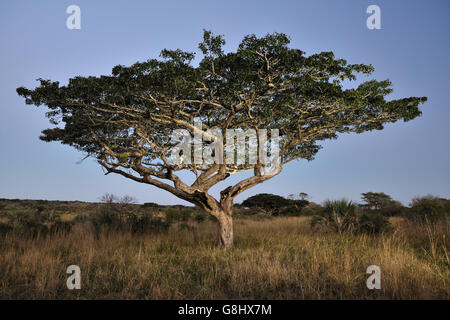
(150, 205)
(61, 227)
(174, 214)
(274, 205)
(29, 226)
(373, 223)
(382, 203)
(339, 215)
(5, 228)
(200, 217)
(80, 218)
(429, 209)
(312, 209)
(147, 223)
(264, 83)
(344, 216)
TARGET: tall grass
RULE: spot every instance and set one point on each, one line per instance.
(279, 258)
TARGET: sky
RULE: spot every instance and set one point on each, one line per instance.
(411, 49)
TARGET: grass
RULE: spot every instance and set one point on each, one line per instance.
(279, 258)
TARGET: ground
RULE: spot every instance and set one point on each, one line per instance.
(273, 258)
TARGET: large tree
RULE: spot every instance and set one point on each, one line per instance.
(124, 120)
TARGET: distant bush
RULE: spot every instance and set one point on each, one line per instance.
(150, 205)
(200, 217)
(61, 227)
(373, 222)
(5, 228)
(174, 214)
(275, 205)
(429, 209)
(79, 218)
(345, 216)
(289, 211)
(147, 224)
(338, 215)
(392, 209)
(312, 209)
(269, 203)
(31, 228)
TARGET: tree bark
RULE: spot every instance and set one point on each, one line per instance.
(225, 230)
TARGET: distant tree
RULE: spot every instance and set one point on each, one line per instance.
(269, 203)
(274, 204)
(382, 203)
(300, 196)
(303, 196)
(375, 200)
(124, 120)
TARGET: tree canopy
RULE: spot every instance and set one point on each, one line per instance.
(124, 120)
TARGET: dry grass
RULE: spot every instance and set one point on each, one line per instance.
(273, 259)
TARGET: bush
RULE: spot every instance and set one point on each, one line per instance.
(373, 223)
(175, 214)
(290, 211)
(148, 224)
(429, 209)
(32, 228)
(269, 203)
(61, 227)
(338, 215)
(104, 220)
(150, 205)
(312, 209)
(5, 228)
(344, 216)
(200, 217)
(79, 218)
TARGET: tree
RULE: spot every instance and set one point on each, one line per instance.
(124, 120)
(269, 203)
(303, 196)
(375, 200)
(382, 203)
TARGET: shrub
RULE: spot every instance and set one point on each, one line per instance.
(174, 214)
(344, 216)
(80, 218)
(312, 209)
(5, 228)
(32, 228)
(338, 215)
(150, 205)
(199, 217)
(290, 211)
(428, 209)
(373, 222)
(269, 203)
(104, 220)
(147, 224)
(61, 227)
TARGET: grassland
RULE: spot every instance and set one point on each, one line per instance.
(276, 258)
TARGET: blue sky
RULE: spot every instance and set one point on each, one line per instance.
(412, 50)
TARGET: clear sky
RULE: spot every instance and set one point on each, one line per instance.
(411, 49)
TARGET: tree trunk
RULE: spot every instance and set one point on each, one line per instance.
(225, 230)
